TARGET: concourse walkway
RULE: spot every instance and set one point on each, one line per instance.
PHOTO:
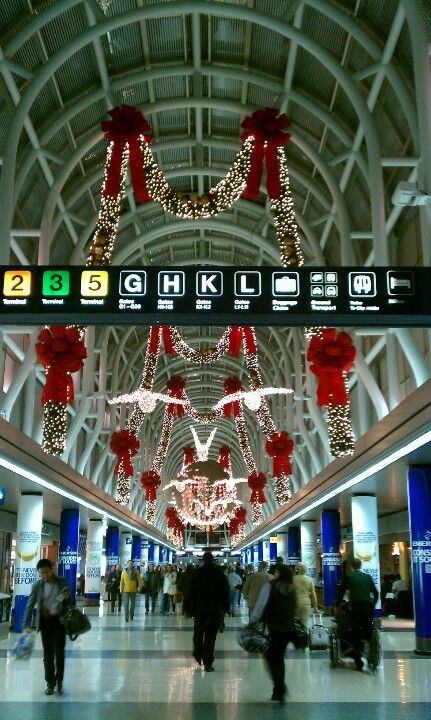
(144, 669)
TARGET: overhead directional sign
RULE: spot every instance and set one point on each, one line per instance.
(216, 296)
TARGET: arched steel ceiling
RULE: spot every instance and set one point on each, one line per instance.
(353, 76)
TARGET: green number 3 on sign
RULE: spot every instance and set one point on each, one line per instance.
(55, 283)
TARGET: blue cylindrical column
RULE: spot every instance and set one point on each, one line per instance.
(112, 547)
(252, 554)
(93, 559)
(68, 548)
(273, 549)
(161, 554)
(293, 546)
(28, 536)
(331, 558)
(419, 492)
(151, 554)
(136, 550)
(260, 551)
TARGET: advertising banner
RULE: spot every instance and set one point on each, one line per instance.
(419, 493)
(331, 558)
(293, 546)
(28, 536)
(112, 547)
(366, 537)
(68, 548)
(308, 547)
(93, 560)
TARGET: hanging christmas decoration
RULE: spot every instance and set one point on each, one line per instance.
(331, 355)
(232, 385)
(237, 333)
(150, 482)
(188, 456)
(267, 128)
(124, 445)
(224, 457)
(61, 351)
(127, 128)
(176, 386)
(280, 447)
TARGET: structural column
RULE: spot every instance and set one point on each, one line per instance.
(125, 549)
(112, 547)
(144, 554)
(136, 550)
(331, 558)
(265, 549)
(419, 493)
(68, 548)
(28, 537)
(366, 538)
(282, 546)
(308, 547)
(273, 549)
(93, 560)
(293, 546)
(260, 551)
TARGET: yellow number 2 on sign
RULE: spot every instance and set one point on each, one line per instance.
(17, 283)
(94, 283)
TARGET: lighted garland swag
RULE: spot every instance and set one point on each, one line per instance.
(129, 136)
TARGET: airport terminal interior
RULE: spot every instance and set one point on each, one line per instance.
(215, 313)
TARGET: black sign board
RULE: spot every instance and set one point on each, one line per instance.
(201, 295)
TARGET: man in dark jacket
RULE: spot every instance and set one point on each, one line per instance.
(51, 596)
(363, 596)
(209, 601)
(151, 586)
(113, 586)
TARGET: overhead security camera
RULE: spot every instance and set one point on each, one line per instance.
(408, 194)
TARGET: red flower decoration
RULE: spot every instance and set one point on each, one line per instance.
(150, 481)
(176, 385)
(126, 126)
(256, 482)
(232, 385)
(235, 337)
(280, 447)
(124, 445)
(61, 351)
(331, 354)
(268, 129)
(224, 456)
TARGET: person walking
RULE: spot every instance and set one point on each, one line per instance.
(129, 585)
(209, 601)
(276, 604)
(235, 585)
(254, 583)
(113, 587)
(152, 587)
(305, 593)
(363, 596)
(51, 597)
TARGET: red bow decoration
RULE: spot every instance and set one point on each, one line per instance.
(267, 127)
(126, 126)
(241, 515)
(179, 528)
(189, 455)
(232, 385)
(224, 456)
(256, 482)
(331, 355)
(235, 337)
(150, 481)
(171, 517)
(234, 526)
(124, 445)
(280, 447)
(61, 351)
(176, 385)
(153, 345)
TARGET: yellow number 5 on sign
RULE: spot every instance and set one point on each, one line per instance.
(94, 283)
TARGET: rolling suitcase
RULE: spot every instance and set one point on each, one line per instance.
(318, 634)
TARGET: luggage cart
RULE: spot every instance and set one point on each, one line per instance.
(341, 646)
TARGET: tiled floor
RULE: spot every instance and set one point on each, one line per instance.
(144, 667)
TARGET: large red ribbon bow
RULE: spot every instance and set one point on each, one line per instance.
(61, 351)
(150, 481)
(126, 127)
(232, 385)
(280, 447)
(176, 385)
(256, 482)
(331, 354)
(268, 129)
(124, 445)
(235, 337)
(171, 517)
(188, 455)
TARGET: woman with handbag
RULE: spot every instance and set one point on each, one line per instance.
(276, 606)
